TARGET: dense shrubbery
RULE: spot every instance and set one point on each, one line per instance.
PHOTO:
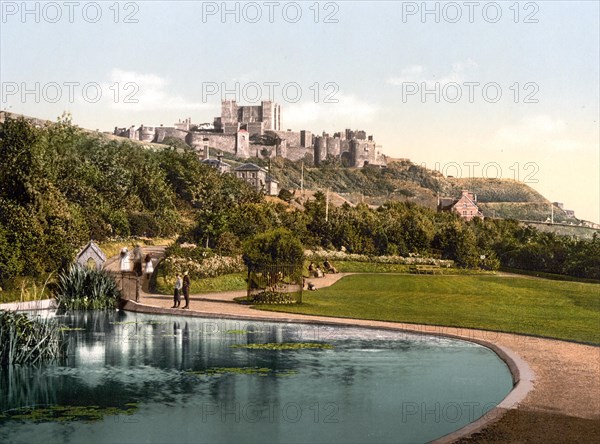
(59, 187)
(81, 288)
(274, 247)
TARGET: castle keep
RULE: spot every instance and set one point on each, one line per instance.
(255, 131)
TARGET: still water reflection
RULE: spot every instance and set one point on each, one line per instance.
(147, 378)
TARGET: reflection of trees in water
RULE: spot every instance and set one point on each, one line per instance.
(122, 358)
(24, 386)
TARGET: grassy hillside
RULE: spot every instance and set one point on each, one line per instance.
(516, 210)
(497, 190)
(404, 181)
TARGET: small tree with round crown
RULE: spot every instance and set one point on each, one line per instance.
(274, 260)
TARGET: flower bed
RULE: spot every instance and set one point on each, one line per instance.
(273, 297)
(207, 267)
(320, 255)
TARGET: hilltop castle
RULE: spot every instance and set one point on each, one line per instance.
(255, 131)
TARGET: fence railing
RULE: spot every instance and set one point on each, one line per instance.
(275, 284)
(129, 283)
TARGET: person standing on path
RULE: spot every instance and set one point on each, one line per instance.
(186, 289)
(124, 258)
(137, 260)
(177, 290)
(148, 266)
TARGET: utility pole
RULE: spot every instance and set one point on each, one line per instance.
(302, 180)
(551, 213)
(327, 206)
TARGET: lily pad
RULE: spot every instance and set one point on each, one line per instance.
(61, 413)
(285, 346)
(259, 371)
(242, 332)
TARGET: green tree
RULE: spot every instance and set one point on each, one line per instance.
(278, 246)
(457, 241)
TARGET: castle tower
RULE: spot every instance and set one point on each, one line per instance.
(229, 111)
(229, 116)
(242, 147)
(271, 115)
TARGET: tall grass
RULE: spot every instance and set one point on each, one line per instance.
(86, 289)
(30, 341)
(26, 290)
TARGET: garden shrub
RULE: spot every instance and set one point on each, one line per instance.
(86, 289)
(278, 246)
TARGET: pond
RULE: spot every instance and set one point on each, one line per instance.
(150, 378)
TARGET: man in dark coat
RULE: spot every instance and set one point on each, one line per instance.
(186, 289)
(137, 260)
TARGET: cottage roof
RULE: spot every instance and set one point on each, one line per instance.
(446, 203)
(250, 167)
(449, 203)
(467, 196)
(91, 247)
(215, 162)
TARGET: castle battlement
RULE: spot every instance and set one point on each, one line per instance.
(255, 130)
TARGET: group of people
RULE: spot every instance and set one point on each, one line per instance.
(147, 268)
(182, 285)
(320, 271)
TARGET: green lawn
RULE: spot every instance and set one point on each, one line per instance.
(377, 267)
(564, 310)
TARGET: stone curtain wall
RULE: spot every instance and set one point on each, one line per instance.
(219, 141)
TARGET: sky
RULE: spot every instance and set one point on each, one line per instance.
(473, 89)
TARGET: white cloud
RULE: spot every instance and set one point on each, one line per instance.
(538, 131)
(349, 112)
(460, 72)
(246, 77)
(134, 91)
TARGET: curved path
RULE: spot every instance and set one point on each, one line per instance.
(557, 392)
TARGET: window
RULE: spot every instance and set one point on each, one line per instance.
(91, 264)
(464, 213)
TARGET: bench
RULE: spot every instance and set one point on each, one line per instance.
(424, 269)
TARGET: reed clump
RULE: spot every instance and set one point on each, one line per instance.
(86, 289)
(29, 340)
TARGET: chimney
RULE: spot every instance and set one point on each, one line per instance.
(206, 148)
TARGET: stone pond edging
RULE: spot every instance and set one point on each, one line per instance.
(42, 304)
